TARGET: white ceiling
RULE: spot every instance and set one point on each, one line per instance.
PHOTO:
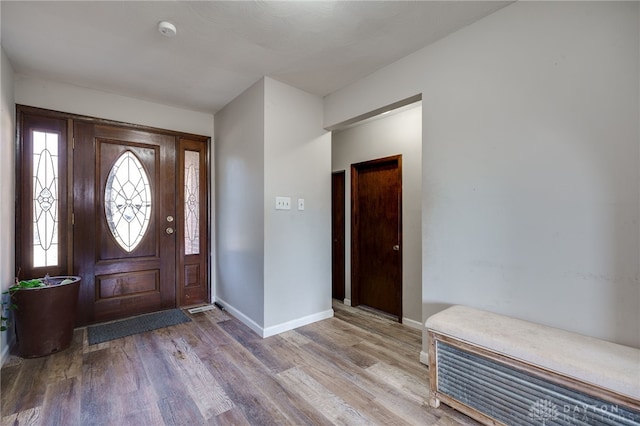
(221, 47)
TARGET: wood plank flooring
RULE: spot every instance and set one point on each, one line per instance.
(356, 368)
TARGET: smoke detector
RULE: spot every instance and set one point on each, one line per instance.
(166, 28)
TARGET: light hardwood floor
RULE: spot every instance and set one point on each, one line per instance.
(356, 368)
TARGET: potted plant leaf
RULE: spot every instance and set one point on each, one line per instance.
(45, 313)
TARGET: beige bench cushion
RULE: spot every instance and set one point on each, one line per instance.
(608, 365)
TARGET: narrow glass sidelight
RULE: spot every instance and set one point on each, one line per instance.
(45, 199)
(191, 202)
(127, 201)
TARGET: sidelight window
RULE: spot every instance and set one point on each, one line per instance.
(42, 197)
(45, 199)
(192, 202)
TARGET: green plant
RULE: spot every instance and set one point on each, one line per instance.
(7, 304)
(35, 283)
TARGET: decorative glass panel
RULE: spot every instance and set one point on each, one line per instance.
(45, 199)
(191, 202)
(127, 201)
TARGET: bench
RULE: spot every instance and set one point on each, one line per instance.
(502, 370)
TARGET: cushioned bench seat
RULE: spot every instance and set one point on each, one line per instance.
(503, 371)
(608, 365)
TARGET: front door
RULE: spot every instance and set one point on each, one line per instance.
(376, 227)
(124, 239)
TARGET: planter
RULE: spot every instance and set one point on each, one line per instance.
(45, 316)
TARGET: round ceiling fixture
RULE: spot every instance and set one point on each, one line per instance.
(166, 28)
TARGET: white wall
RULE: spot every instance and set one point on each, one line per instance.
(273, 266)
(94, 103)
(297, 244)
(239, 193)
(7, 187)
(530, 163)
(393, 134)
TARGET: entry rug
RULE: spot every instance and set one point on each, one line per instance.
(128, 327)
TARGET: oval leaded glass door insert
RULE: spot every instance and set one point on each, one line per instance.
(127, 201)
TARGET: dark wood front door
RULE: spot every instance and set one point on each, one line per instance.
(124, 221)
(337, 235)
(123, 206)
(376, 215)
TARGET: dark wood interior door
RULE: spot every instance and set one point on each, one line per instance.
(376, 227)
(337, 235)
(124, 221)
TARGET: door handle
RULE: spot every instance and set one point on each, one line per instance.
(396, 248)
(169, 231)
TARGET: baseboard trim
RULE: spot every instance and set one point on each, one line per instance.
(275, 329)
(299, 322)
(240, 316)
(412, 323)
(424, 357)
(347, 302)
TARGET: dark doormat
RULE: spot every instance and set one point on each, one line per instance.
(128, 327)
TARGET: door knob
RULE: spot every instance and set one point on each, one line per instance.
(396, 248)
(169, 231)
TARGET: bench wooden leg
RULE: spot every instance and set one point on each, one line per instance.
(434, 402)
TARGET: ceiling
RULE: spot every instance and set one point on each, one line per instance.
(221, 48)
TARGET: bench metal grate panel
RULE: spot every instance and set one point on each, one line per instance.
(515, 397)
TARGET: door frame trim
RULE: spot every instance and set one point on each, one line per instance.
(341, 174)
(355, 249)
(102, 121)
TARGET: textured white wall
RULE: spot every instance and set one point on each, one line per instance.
(397, 133)
(94, 103)
(530, 163)
(7, 186)
(297, 244)
(239, 194)
(273, 266)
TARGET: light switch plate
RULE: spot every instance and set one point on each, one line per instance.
(283, 203)
(300, 203)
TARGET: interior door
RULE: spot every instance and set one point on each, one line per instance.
(124, 221)
(376, 227)
(337, 235)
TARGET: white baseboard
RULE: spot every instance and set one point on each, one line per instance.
(424, 357)
(347, 302)
(412, 323)
(299, 322)
(242, 317)
(275, 329)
